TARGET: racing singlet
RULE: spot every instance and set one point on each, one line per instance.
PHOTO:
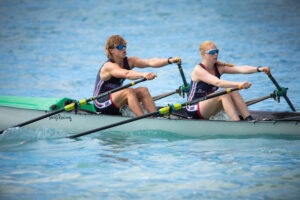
(202, 89)
(198, 90)
(105, 104)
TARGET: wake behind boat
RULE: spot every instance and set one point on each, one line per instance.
(15, 110)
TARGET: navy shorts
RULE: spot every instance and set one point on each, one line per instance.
(193, 111)
(105, 105)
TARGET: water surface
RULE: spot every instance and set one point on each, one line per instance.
(54, 49)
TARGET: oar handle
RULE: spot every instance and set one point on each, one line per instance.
(279, 89)
(227, 91)
(82, 102)
(178, 106)
(116, 89)
(72, 106)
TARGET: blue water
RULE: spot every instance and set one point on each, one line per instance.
(54, 49)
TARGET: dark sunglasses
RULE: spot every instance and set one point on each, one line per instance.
(121, 46)
(212, 52)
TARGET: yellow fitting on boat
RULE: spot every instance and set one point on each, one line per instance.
(70, 107)
(228, 90)
(82, 102)
(164, 110)
(132, 83)
(177, 106)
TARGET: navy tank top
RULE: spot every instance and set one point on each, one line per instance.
(104, 86)
(201, 89)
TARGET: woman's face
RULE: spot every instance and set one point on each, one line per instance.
(119, 50)
(211, 54)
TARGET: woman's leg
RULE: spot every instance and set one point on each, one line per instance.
(144, 96)
(128, 96)
(240, 104)
(214, 105)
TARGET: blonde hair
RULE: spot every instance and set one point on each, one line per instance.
(204, 46)
(111, 43)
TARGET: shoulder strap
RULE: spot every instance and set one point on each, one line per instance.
(126, 64)
(203, 66)
(217, 71)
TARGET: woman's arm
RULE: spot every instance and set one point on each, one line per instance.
(153, 62)
(245, 69)
(113, 70)
(200, 74)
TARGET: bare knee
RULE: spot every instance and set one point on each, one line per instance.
(142, 91)
(130, 92)
(235, 94)
(225, 97)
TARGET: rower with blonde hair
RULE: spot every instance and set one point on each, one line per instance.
(205, 79)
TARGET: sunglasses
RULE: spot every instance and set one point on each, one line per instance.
(212, 52)
(121, 46)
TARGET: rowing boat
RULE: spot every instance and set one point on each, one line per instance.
(14, 110)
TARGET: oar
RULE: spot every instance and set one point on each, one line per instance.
(254, 101)
(282, 91)
(73, 105)
(186, 86)
(155, 98)
(161, 111)
(182, 75)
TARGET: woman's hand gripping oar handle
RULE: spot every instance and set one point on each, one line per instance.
(162, 111)
(85, 101)
(227, 91)
(281, 91)
(73, 105)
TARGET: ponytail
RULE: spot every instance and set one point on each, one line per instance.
(223, 64)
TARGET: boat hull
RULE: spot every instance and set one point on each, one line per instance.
(72, 123)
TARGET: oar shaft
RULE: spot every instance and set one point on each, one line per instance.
(164, 95)
(72, 106)
(114, 124)
(254, 101)
(41, 117)
(274, 81)
(182, 75)
(279, 88)
(116, 89)
(161, 111)
(36, 119)
(290, 103)
(227, 91)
